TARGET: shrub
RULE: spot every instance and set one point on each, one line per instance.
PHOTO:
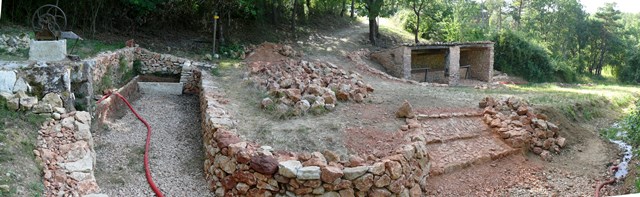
(630, 72)
(517, 56)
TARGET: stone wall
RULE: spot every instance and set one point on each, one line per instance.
(113, 107)
(65, 149)
(234, 166)
(392, 60)
(481, 61)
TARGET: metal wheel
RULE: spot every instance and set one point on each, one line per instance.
(49, 17)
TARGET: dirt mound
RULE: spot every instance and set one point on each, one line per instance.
(270, 52)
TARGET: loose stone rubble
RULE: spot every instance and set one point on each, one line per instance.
(299, 86)
(520, 127)
(12, 44)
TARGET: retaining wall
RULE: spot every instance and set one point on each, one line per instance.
(234, 166)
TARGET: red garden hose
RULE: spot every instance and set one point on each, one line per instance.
(147, 171)
(613, 169)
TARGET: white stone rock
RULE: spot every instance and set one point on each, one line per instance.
(26, 103)
(289, 168)
(55, 116)
(83, 117)
(355, 172)
(60, 110)
(42, 108)
(308, 173)
(53, 99)
(83, 165)
(68, 122)
(83, 132)
(21, 85)
(81, 176)
(6, 95)
(7, 81)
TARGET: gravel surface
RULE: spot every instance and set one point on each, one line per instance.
(176, 147)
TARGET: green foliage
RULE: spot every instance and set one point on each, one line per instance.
(515, 55)
(630, 72)
(631, 124)
(231, 50)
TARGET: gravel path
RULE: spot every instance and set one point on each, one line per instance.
(176, 147)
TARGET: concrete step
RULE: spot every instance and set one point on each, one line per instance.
(160, 88)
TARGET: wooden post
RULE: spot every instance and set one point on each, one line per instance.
(215, 24)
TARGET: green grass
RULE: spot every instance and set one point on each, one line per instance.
(88, 48)
(18, 132)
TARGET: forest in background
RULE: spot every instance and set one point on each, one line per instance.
(540, 40)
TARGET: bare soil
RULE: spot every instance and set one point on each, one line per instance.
(372, 128)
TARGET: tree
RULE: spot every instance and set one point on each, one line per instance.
(609, 17)
(417, 6)
(373, 8)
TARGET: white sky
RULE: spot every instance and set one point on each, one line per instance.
(631, 6)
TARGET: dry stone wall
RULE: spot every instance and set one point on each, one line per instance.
(520, 127)
(236, 167)
(65, 148)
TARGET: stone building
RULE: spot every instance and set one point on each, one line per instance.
(439, 62)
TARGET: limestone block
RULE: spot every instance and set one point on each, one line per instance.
(54, 50)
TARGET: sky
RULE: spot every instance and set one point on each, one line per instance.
(631, 6)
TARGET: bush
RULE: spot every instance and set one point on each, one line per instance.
(630, 72)
(517, 56)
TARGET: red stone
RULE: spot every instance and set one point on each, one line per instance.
(244, 177)
(330, 174)
(264, 164)
(225, 138)
(228, 183)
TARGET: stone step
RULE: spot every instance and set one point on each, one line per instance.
(458, 154)
(161, 88)
(441, 130)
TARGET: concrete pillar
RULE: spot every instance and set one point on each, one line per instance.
(406, 62)
(54, 50)
(453, 61)
(490, 76)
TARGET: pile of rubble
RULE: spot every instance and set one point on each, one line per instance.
(65, 149)
(520, 127)
(12, 44)
(300, 86)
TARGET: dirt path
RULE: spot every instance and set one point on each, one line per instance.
(176, 148)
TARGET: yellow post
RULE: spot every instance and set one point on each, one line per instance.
(215, 24)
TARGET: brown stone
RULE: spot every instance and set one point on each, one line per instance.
(405, 111)
(541, 116)
(244, 177)
(364, 182)
(243, 157)
(394, 169)
(264, 164)
(358, 98)
(331, 156)
(344, 184)
(312, 183)
(225, 138)
(302, 191)
(379, 192)
(228, 182)
(537, 150)
(259, 192)
(561, 142)
(415, 191)
(396, 186)
(293, 94)
(330, 174)
(342, 95)
(355, 160)
(545, 155)
(347, 193)
(377, 168)
(87, 187)
(522, 110)
(548, 143)
(382, 181)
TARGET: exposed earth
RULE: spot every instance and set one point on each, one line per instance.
(371, 127)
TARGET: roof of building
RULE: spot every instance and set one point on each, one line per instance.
(428, 44)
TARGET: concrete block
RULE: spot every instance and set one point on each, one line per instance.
(54, 50)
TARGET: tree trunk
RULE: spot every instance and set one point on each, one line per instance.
(417, 28)
(344, 8)
(372, 30)
(309, 6)
(293, 18)
(353, 2)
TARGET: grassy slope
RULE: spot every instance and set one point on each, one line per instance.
(19, 170)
